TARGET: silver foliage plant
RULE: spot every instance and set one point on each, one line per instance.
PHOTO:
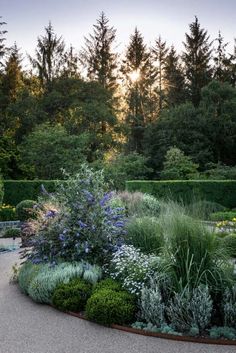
(152, 306)
(229, 307)
(44, 283)
(190, 309)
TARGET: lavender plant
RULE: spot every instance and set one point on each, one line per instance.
(152, 305)
(229, 307)
(190, 309)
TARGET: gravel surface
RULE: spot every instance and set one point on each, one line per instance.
(27, 327)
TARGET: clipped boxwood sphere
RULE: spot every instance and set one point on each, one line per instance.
(230, 244)
(72, 296)
(108, 283)
(108, 307)
(24, 210)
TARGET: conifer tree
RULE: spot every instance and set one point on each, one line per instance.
(221, 70)
(12, 80)
(160, 52)
(136, 71)
(71, 60)
(98, 56)
(49, 59)
(174, 80)
(196, 58)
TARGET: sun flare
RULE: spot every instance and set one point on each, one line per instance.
(134, 75)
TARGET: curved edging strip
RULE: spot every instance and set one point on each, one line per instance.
(165, 335)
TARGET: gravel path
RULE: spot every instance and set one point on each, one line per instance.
(26, 327)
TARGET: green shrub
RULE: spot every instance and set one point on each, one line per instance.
(219, 191)
(24, 210)
(72, 296)
(16, 191)
(7, 213)
(111, 307)
(223, 332)
(230, 244)
(124, 167)
(178, 166)
(12, 233)
(145, 234)
(223, 216)
(108, 283)
(190, 309)
(26, 274)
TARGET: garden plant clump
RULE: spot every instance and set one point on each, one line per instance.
(127, 258)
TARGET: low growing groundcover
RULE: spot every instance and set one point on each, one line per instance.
(129, 259)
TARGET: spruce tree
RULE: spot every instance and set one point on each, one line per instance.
(160, 52)
(49, 59)
(71, 60)
(98, 56)
(12, 79)
(175, 91)
(136, 71)
(221, 70)
(197, 58)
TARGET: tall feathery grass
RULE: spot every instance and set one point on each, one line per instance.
(192, 254)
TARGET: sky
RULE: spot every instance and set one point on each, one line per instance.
(73, 19)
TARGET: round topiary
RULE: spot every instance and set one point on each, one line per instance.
(72, 296)
(108, 307)
(108, 283)
(230, 244)
(24, 210)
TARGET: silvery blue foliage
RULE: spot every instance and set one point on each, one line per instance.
(152, 307)
(152, 328)
(132, 268)
(229, 307)
(49, 277)
(190, 309)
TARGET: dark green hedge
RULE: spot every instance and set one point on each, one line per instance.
(220, 191)
(19, 190)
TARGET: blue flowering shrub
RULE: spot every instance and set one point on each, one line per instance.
(80, 224)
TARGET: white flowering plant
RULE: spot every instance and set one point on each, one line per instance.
(132, 268)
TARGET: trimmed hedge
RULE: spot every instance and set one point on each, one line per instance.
(220, 191)
(16, 191)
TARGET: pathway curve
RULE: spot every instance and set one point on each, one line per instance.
(27, 327)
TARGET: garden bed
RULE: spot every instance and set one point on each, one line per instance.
(131, 262)
(168, 336)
